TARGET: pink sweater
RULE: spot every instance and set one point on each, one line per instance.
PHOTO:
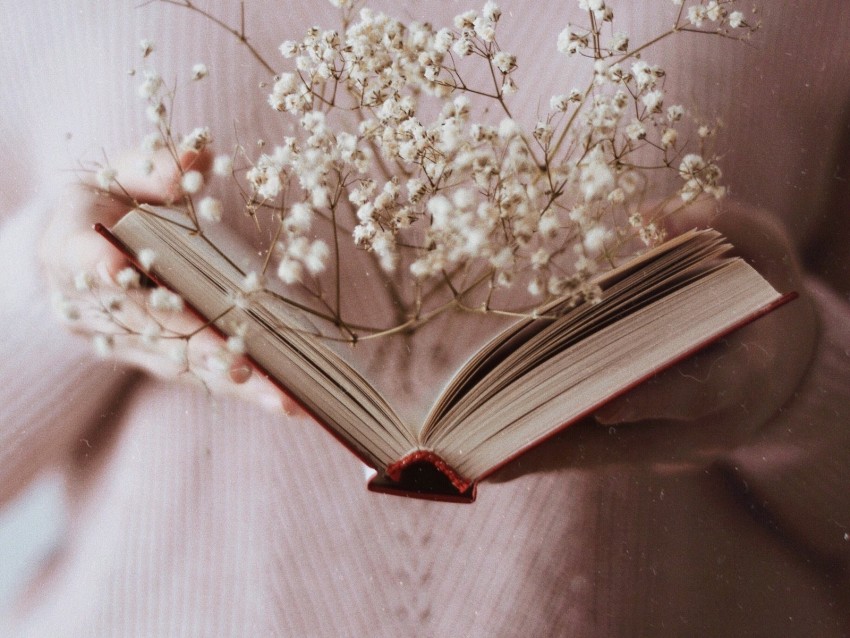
(200, 517)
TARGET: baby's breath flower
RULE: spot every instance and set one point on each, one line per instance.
(669, 137)
(485, 29)
(105, 177)
(559, 102)
(443, 41)
(289, 270)
(617, 196)
(150, 86)
(463, 47)
(541, 208)
(543, 132)
(83, 281)
(236, 344)
(164, 299)
(156, 112)
(596, 176)
(491, 11)
(569, 43)
(128, 278)
(465, 20)
(675, 113)
(540, 258)
(146, 258)
(146, 166)
(595, 238)
(504, 61)
(619, 42)
(223, 165)
(736, 19)
(253, 282)
(114, 302)
(509, 86)
(219, 362)
(653, 101)
(692, 164)
(636, 130)
(147, 47)
(200, 71)
(67, 309)
(103, 344)
(509, 129)
(300, 218)
(288, 49)
(210, 209)
(191, 182)
(714, 11)
(535, 287)
(152, 142)
(316, 256)
(697, 15)
(197, 140)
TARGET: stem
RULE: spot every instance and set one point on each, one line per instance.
(238, 34)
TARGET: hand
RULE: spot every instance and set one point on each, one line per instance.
(696, 411)
(752, 371)
(83, 267)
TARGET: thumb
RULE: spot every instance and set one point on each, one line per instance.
(155, 178)
(69, 246)
(690, 390)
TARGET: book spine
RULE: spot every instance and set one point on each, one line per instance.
(394, 471)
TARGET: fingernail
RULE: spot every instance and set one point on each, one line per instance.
(240, 373)
(615, 412)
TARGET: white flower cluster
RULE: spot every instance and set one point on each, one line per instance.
(716, 13)
(397, 149)
(466, 192)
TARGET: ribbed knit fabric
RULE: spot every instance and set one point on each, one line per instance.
(194, 516)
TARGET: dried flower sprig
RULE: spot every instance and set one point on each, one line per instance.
(397, 153)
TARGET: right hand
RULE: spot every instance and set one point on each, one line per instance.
(70, 249)
(702, 408)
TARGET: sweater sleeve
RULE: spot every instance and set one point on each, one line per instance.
(52, 389)
(793, 475)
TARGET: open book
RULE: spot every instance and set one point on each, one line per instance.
(529, 381)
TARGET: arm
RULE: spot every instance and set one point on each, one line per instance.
(51, 388)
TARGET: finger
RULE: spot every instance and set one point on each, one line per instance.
(691, 390)
(754, 234)
(69, 246)
(260, 390)
(752, 372)
(238, 376)
(738, 374)
(152, 178)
